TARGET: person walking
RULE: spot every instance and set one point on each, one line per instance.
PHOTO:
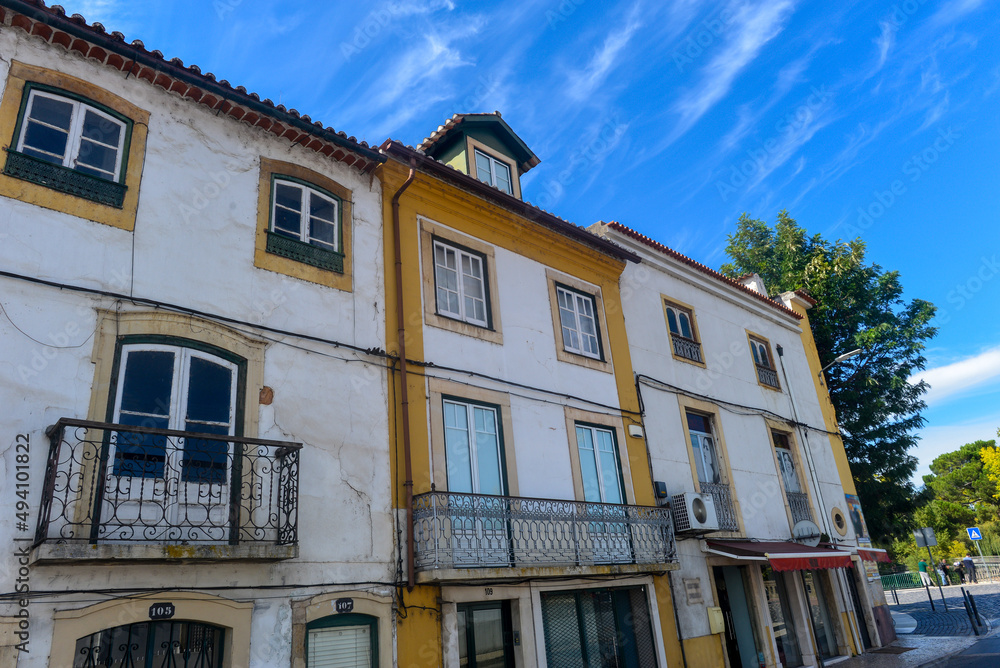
(922, 568)
(943, 570)
(970, 568)
(960, 569)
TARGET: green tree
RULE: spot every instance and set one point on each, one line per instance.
(859, 305)
(963, 477)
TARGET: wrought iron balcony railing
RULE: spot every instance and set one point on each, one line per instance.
(458, 531)
(767, 376)
(112, 483)
(686, 348)
(799, 504)
(724, 508)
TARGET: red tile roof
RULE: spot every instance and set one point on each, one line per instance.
(92, 41)
(669, 252)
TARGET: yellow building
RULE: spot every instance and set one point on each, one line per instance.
(527, 522)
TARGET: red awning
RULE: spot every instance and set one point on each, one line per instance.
(873, 554)
(783, 555)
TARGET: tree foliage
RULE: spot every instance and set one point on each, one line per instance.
(990, 457)
(963, 477)
(859, 305)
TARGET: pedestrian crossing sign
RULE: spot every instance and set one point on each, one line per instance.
(975, 533)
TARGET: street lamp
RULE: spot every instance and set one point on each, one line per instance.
(840, 358)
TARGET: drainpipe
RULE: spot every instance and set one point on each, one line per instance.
(810, 463)
(401, 339)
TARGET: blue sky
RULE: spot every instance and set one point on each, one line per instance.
(676, 117)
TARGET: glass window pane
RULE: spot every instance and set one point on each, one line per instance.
(210, 388)
(321, 207)
(698, 423)
(463, 641)
(672, 321)
(323, 232)
(487, 629)
(699, 463)
(140, 455)
(686, 326)
(100, 158)
(483, 168)
(57, 113)
(287, 222)
(457, 455)
(288, 196)
(708, 454)
(588, 465)
(502, 177)
(205, 460)
(487, 452)
(45, 143)
(101, 129)
(148, 381)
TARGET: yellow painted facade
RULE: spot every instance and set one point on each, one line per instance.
(420, 633)
(704, 652)
(829, 414)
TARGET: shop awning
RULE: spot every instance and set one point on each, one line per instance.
(782, 555)
(873, 554)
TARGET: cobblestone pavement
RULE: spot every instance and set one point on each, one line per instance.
(955, 622)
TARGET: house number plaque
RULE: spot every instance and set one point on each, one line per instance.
(162, 611)
(344, 604)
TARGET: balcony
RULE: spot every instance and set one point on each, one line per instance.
(724, 508)
(470, 536)
(798, 502)
(122, 492)
(767, 376)
(687, 348)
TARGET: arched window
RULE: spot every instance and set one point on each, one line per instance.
(168, 644)
(348, 640)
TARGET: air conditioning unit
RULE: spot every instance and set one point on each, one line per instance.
(694, 513)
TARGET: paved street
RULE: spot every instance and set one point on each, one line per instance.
(940, 639)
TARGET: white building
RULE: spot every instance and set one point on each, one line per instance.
(178, 256)
(731, 412)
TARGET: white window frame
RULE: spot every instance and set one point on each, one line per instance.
(596, 454)
(577, 300)
(472, 440)
(308, 193)
(759, 349)
(686, 313)
(702, 442)
(74, 133)
(490, 178)
(460, 278)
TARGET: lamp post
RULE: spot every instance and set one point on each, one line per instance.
(840, 358)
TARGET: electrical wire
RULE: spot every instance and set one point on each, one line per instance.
(41, 343)
(732, 407)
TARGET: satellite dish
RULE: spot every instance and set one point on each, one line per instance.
(806, 532)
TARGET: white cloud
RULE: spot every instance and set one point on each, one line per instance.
(951, 379)
(753, 27)
(585, 82)
(885, 42)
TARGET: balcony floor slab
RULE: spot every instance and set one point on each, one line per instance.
(494, 574)
(60, 553)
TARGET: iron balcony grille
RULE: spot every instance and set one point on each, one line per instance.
(63, 179)
(456, 531)
(724, 508)
(799, 504)
(112, 483)
(686, 348)
(767, 376)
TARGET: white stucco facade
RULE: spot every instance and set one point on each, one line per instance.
(744, 413)
(190, 262)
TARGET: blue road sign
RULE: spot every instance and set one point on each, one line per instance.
(975, 533)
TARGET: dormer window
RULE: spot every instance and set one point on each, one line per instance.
(494, 172)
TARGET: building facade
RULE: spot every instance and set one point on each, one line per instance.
(536, 540)
(728, 383)
(191, 343)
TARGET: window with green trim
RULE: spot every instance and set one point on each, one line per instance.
(348, 640)
(71, 144)
(305, 224)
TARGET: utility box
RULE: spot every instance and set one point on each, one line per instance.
(716, 622)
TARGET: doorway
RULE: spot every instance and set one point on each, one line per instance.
(859, 611)
(485, 637)
(741, 642)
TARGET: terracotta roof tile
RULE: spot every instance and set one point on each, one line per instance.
(93, 41)
(670, 252)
